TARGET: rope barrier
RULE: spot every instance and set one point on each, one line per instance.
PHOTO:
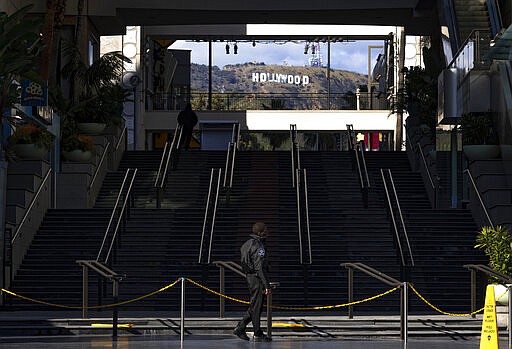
(295, 308)
(93, 306)
(418, 294)
(447, 313)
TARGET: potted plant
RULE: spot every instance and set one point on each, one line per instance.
(30, 141)
(497, 245)
(95, 88)
(479, 138)
(79, 148)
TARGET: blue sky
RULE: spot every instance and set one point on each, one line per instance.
(352, 56)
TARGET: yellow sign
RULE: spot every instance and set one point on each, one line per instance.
(489, 337)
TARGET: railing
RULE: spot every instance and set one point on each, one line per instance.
(295, 152)
(211, 205)
(237, 269)
(301, 187)
(477, 192)
(474, 268)
(121, 217)
(470, 54)
(270, 101)
(121, 137)
(95, 175)
(229, 168)
(29, 209)
(107, 274)
(386, 279)
(493, 9)
(409, 262)
(352, 144)
(451, 19)
(433, 185)
(169, 159)
(362, 171)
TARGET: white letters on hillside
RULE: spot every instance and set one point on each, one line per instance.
(280, 78)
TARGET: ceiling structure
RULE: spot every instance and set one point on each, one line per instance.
(419, 17)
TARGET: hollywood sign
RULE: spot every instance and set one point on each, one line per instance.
(280, 78)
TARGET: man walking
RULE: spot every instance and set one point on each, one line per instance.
(255, 265)
(187, 118)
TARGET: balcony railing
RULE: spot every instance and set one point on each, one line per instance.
(269, 101)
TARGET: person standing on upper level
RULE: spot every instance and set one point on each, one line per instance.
(187, 118)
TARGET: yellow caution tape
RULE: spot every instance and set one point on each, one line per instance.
(444, 312)
(90, 307)
(112, 325)
(295, 308)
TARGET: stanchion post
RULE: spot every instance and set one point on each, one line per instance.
(85, 292)
(509, 324)
(350, 292)
(221, 299)
(182, 321)
(404, 313)
(473, 292)
(269, 314)
(115, 293)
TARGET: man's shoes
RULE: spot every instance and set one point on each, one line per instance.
(240, 333)
(262, 338)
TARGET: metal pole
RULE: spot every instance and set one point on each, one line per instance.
(221, 299)
(182, 322)
(269, 314)
(350, 292)
(404, 315)
(210, 53)
(473, 292)
(115, 293)
(509, 323)
(85, 292)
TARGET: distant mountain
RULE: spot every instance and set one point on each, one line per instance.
(261, 78)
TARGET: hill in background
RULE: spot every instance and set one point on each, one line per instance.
(239, 78)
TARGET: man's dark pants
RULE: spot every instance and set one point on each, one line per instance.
(257, 291)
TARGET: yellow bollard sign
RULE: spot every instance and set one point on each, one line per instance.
(489, 338)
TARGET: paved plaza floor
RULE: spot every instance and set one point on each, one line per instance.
(230, 342)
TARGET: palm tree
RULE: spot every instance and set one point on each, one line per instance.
(20, 46)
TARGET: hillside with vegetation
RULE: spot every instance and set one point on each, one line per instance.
(238, 78)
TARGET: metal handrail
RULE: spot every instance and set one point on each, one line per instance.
(426, 167)
(32, 203)
(229, 167)
(294, 149)
(127, 197)
(120, 139)
(99, 166)
(299, 216)
(368, 185)
(174, 146)
(206, 215)
(391, 212)
(388, 280)
(479, 196)
(114, 210)
(463, 45)
(424, 160)
(161, 164)
(473, 268)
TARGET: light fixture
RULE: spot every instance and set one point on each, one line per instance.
(235, 49)
(253, 43)
(306, 48)
(227, 49)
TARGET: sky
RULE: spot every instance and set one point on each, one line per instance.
(352, 55)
